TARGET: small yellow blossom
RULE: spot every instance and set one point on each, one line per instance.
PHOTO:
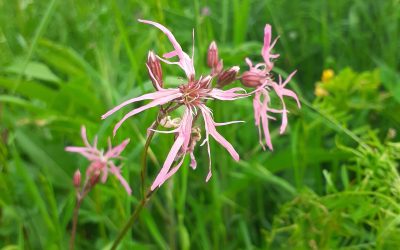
(327, 75)
(320, 91)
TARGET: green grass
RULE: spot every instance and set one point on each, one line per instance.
(331, 182)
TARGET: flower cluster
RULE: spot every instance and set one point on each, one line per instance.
(100, 163)
(192, 97)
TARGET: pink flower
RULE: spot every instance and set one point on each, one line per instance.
(101, 163)
(193, 96)
(260, 77)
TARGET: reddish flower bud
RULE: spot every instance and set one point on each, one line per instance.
(252, 79)
(94, 178)
(228, 76)
(77, 179)
(155, 71)
(212, 55)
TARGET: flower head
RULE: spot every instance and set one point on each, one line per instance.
(192, 95)
(260, 77)
(100, 163)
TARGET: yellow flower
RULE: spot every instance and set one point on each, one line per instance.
(320, 91)
(327, 75)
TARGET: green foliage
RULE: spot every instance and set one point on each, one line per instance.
(331, 182)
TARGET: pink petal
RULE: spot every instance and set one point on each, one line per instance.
(156, 102)
(182, 141)
(104, 175)
(174, 170)
(185, 62)
(284, 122)
(267, 41)
(116, 171)
(161, 177)
(84, 137)
(193, 162)
(209, 123)
(287, 92)
(208, 175)
(150, 96)
(116, 151)
(266, 50)
(89, 154)
(227, 95)
(264, 120)
(170, 54)
(249, 62)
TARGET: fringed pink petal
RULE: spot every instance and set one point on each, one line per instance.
(227, 123)
(257, 116)
(104, 175)
(219, 138)
(161, 177)
(266, 50)
(156, 102)
(264, 120)
(288, 92)
(117, 172)
(249, 62)
(89, 154)
(185, 62)
(170, 54)
(116, 151)
(84, 137)
(267, 41)
(193, 162)
(174, 170)
(181, 142)
(227, 95)
(284, 121)
(149, 96)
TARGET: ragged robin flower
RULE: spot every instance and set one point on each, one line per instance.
(101, 164)
(192, 96)
(260, 77)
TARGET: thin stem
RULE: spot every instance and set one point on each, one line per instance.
(74, 223)
(132, 219)
(79, 198)
(145, 153)
(161, 114)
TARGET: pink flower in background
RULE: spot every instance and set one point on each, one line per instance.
(193, 96)
(101, 163)
(260, 77)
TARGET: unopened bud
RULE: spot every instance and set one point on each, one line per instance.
(94, 178)
(252, 79)
(212, 55)
(228, 76)
(77, 179)
(155, 71)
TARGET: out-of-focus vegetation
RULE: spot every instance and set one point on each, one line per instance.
(331, 182)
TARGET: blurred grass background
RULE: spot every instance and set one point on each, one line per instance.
(332, 181)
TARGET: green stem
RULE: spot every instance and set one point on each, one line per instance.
(132, 219)
(161, 114)
(86, 189)
(145, 153)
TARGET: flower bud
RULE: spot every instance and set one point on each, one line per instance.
(94, 178)
(252, 79)
(77, 179)
(212, 55)
(155, 71)
(227, 76)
